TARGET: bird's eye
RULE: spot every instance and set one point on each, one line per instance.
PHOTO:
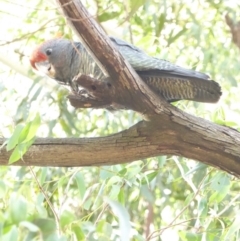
(48, 51)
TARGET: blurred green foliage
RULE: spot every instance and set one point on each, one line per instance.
(161, 198)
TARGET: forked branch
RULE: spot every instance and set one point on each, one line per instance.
(168, 130)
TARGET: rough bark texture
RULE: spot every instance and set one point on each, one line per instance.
(235, 30)
(194, 138)
(168, 131)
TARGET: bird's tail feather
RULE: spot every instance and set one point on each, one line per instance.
(174, 88)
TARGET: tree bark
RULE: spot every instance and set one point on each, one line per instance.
(166, 130)
(235, 30)
(194, 138)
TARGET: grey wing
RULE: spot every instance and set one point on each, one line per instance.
(142, 62)
(169, 80)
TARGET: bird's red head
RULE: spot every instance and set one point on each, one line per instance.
(44, 60)
(37, 56)
(57, 59)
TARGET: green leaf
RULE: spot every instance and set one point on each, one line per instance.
(172, 39)
(124, 219)
(43, 175)
(115, 189)
(13, 140)
(233, 228)
(135, 5)
(202, 209)
(19, 151)
(30, 226)
(78, 232)
(81, 184)
(47, 226)
(160, 24)
(162, 161)
(218, 196)
(18, 208)
(66, 218)
(187, 236)
(55, 237)
(220, 181)
(104, 228)
(121, 196)
(24, 133)
(22, 139)
(29, 131)
(15, 156)
(108, 16)
(196, 168)
(113, 180)
(189, 199)
(106, 172)
(122, 172)
(149, 177)
(11, 235)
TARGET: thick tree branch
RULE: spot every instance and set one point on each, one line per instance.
(196, 139)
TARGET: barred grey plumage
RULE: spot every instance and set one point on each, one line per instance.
(65, 59)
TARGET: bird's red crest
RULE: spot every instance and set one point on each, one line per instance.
(37, 56)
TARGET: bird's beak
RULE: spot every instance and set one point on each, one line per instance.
(46, 68)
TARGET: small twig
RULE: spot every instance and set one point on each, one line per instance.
(25, 6)
(47, 200)
(228, 206)
(127, 18)
(179, 214)
(187, 180)
(101, 213)
(65, 193)
(174, 225)
(28, 34)
(149, 219)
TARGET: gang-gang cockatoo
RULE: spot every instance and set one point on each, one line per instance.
(62, 60)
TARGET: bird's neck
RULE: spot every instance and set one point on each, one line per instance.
(87, 65)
